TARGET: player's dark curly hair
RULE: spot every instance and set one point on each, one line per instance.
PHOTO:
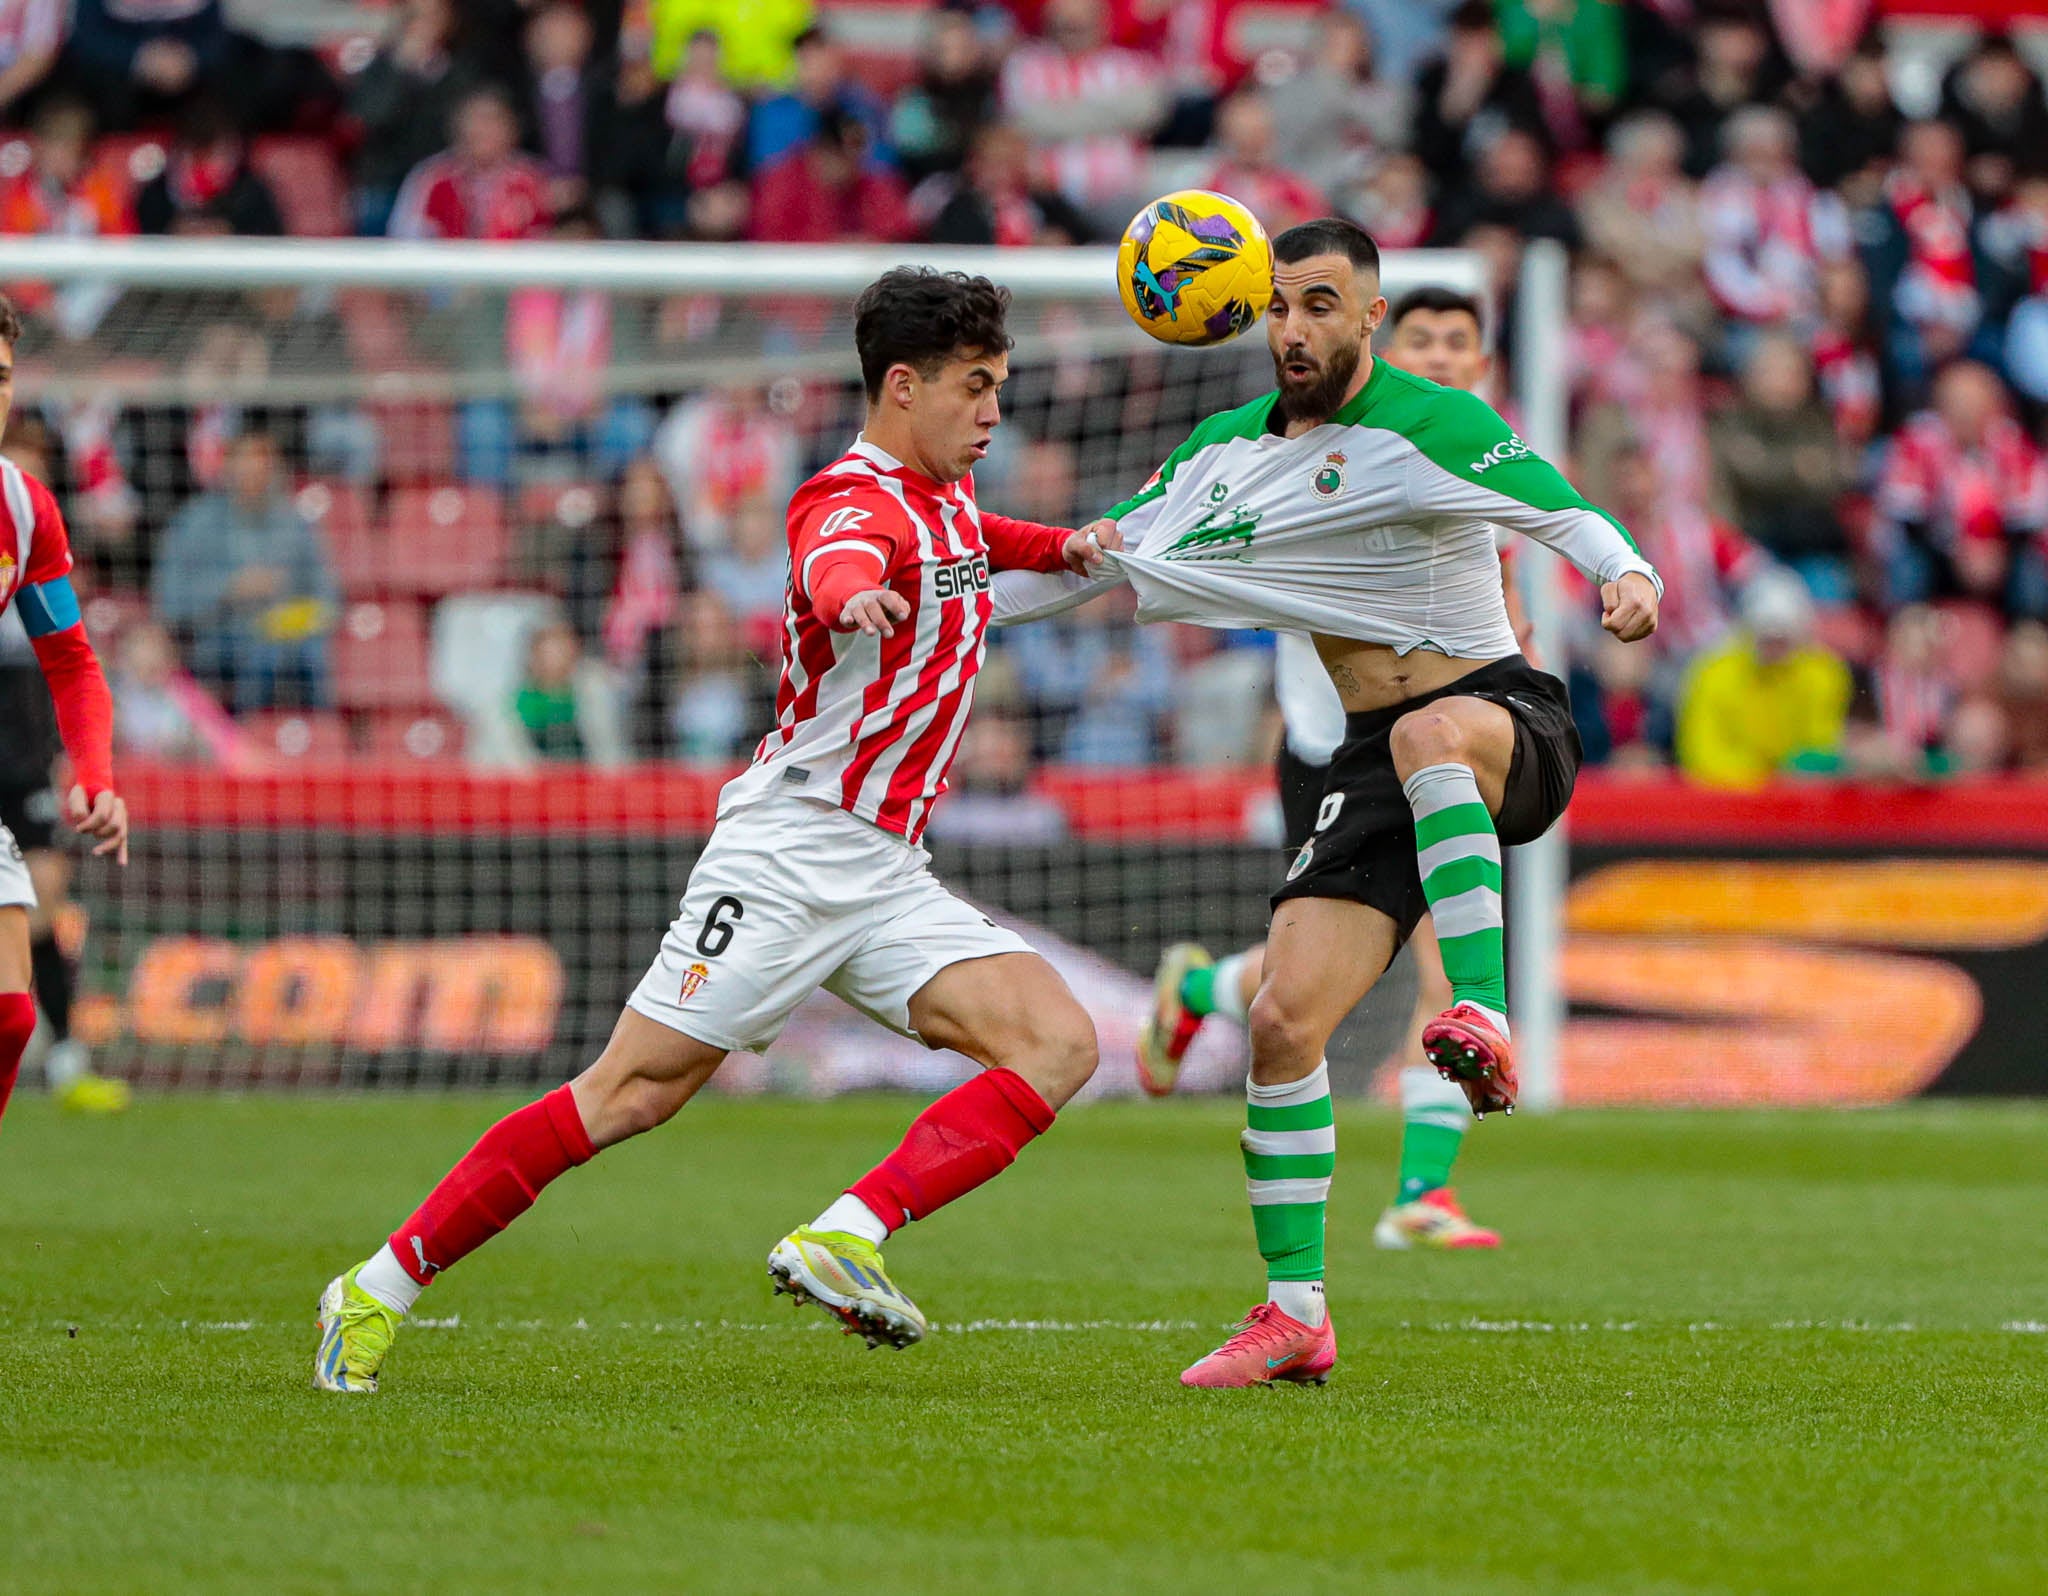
(920, 317)
(10, 322)
(1328, 235)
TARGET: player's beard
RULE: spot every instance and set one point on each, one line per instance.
(1317, 398)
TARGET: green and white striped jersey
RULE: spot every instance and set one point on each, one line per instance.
(1377, 525)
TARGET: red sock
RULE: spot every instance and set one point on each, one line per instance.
(17, 1025)
(970, 1135)
(494, 1184)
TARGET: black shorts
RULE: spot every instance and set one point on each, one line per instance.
(31, 814)
(1301, 790)
(1364, 848)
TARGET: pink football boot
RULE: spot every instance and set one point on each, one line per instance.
(1466, 1049)
(1267, 1347)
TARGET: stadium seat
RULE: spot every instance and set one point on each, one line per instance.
(406, 737)
(419, 440)
(1975, 638)
(445, 539)
(341, 512)
(380, 656)
(311, 193)
(311, 737)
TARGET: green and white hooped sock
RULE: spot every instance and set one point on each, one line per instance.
(1213, 989)
(1459, 855)
(1434, 1118)
(1290, 1153)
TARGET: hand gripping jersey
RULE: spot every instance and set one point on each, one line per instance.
(870, 724)
(1377, 525)
(35, 576)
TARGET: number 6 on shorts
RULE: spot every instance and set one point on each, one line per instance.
(716, 936)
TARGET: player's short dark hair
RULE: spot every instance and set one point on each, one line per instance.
(1329, 235)
(1436, 298)
(10, 321)
(920, 317)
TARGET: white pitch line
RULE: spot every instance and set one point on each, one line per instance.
(815, 1325)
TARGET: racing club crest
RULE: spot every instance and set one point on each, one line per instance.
(1302, 859)
(1328, 481)
(693, 978)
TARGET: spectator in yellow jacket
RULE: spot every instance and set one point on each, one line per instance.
(1768, 700)
(755, 37)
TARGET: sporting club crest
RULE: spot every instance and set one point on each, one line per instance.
(1328, 481)
(693, 978)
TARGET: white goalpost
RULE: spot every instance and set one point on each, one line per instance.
(402, 372)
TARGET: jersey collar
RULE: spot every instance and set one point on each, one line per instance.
(882, 460)
(1349, 413)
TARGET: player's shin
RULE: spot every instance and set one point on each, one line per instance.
(496, 1181)
(17, 1025)
(1459, 856)
(1434, 1119)
(1290, 1153)
(966, 1138)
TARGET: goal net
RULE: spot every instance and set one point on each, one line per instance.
(440, 586)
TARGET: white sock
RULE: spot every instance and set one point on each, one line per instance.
(64, 1063)
(1298, 1299)
(1498, 1021)
(1227, 994)
(384, 1278)
(854, 1217)
(1428, 1099)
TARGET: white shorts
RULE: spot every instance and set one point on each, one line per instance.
(790, 896)
(17, 891)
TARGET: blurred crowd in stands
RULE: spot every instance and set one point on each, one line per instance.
(1807, 346)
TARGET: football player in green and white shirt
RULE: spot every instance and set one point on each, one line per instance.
(1438, 333)
(1357, 504)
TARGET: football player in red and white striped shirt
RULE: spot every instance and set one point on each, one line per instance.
(813, 875)
(35, 577)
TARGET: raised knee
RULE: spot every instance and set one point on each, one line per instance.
(1426, 737)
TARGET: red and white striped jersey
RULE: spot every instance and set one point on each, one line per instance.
(870, 724)
(33, 544)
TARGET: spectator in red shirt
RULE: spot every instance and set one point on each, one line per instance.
(825, 191)
(995, 198)
(1247, 170)
(1963, 500)
(1925, 267)
(60, 190)
(207, 187)
(1089, 104)
(1768, 230)
(482, 186)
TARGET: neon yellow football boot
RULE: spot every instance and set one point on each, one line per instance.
(843, 1274)
(355, 1334)
(94, 1094)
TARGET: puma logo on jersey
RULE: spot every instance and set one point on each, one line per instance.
(844, 519)
(1501, 453)
(958, 578)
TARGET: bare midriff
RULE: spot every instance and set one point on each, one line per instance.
(1372, 675)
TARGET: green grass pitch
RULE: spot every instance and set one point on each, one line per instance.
(1744, 1353)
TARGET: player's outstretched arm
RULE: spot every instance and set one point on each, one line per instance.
(85, 712)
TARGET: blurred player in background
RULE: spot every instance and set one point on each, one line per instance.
(1359, 504)
(35, 583)
(1435, 333)
(813, 876)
